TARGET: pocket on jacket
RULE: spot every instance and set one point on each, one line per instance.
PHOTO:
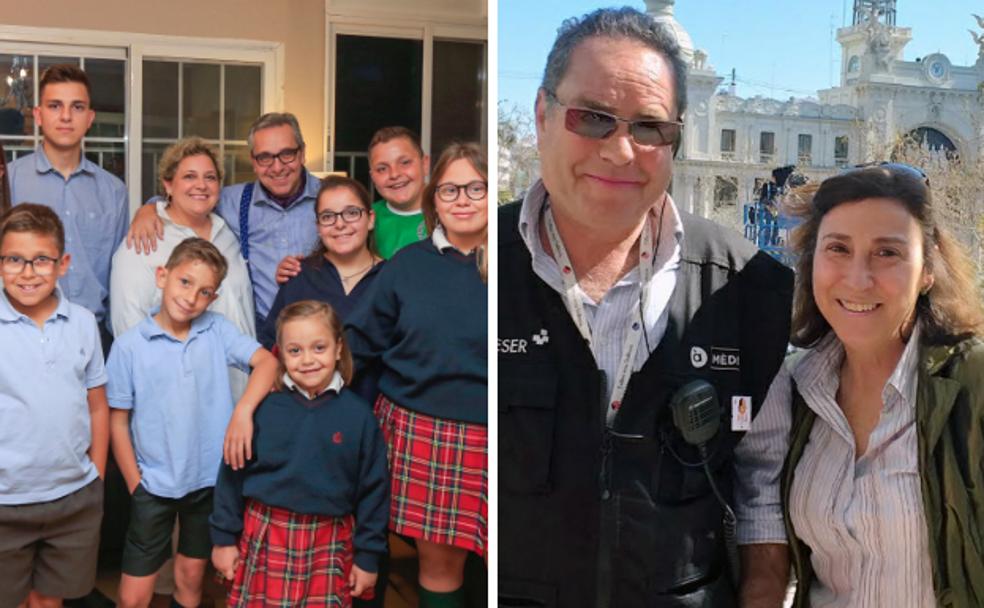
(527, 422)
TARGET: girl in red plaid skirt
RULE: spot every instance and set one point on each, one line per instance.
(304, 522)
(425, 322)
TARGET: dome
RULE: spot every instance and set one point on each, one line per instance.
(662, 11)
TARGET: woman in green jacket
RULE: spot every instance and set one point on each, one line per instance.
(863, 469)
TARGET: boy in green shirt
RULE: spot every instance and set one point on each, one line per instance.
(398, 167)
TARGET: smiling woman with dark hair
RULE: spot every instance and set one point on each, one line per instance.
(863, 469)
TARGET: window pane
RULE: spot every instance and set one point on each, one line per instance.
(458, 101)
(378, 84)
(767, 142)
(16, 95)
(109, 156)
(46, 62)
(200, 100)
(727, 140)
(160, 99)
(237, 166)
(149, 158)
(356, 166)
(108, 97)
(242, 99)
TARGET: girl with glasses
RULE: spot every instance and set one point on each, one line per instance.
(343, 264)
(426, 324)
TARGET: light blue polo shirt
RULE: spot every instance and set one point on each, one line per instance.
(274, 233)
(92, 204)
(45, 375)
(180, 398)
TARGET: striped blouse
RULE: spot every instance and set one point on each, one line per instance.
(862, 517)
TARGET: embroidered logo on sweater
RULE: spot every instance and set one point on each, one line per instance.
(337, 437)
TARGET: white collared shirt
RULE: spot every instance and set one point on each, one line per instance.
(862, 517)
(608, 317)
(336, 384)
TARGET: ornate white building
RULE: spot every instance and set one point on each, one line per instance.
(732, 144)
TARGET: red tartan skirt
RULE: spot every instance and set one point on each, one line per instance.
(288, 559)
(440, 480)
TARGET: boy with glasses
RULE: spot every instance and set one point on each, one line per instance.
(54, 432)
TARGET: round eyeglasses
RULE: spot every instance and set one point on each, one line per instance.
(348, 215)
(476, 191)
(15, 264)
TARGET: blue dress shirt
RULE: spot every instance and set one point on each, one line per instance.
(274, 233)
(92, 204)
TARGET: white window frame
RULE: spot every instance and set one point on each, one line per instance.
(135, 48)
(385, 25)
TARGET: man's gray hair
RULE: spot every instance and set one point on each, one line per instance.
(625, 22)
(275, 119)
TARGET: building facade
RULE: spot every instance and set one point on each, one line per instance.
(732, 144)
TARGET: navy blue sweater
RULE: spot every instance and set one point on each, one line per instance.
(324, 456)
(322, 282)
(426, 320)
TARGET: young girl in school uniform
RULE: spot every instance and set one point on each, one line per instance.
(282, 526)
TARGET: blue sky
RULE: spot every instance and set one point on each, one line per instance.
(779, 49)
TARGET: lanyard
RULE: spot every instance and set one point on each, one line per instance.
(631, 338)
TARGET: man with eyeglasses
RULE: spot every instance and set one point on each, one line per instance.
(271, 216)
(631, 335)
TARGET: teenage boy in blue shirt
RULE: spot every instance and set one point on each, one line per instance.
(54, 421)
(171, 403)
(90, 201)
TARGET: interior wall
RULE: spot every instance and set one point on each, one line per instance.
(298, 24)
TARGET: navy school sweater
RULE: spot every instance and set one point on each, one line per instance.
(324, 456)
(426, 319)
(322, 282)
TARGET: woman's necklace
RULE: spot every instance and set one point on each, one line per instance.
(372, 262)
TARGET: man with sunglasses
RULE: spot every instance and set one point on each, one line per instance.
(271, 216)
(618, 314)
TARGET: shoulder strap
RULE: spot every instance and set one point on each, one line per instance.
(244, 202)
(799, 436)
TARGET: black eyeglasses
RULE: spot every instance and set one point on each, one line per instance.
(286, 156)
(595, 124)
(348, 215)
(14, 264)
(891, 167)
(476, 191)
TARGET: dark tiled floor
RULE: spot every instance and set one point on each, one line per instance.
(401, 592)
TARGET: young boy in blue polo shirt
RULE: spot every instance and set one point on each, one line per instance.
(171, 403)
(54, 421)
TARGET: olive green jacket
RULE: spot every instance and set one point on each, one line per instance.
(950, 435)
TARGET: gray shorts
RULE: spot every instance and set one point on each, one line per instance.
(51, 547)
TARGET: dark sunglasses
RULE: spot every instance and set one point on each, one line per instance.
(595, 124)
(891, 167)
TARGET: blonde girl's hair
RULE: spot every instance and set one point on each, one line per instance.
(306, 309)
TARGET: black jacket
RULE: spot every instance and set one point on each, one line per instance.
(591, 518)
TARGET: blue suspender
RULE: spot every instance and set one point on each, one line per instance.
(244, 221)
